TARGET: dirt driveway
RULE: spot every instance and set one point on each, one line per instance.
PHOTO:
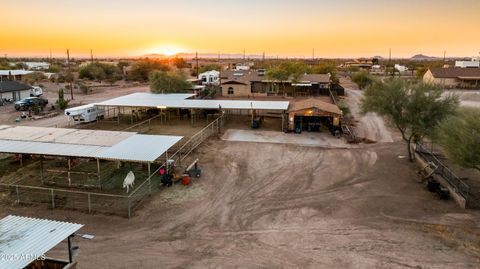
(261, 205)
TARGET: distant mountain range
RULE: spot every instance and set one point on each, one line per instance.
(421, 57)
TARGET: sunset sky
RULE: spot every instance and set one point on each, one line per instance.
(342, 28)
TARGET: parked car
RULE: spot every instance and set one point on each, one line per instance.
(28, 102)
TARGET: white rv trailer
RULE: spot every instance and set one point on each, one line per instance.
(85, 113)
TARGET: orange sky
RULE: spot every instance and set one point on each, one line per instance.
(348, 28)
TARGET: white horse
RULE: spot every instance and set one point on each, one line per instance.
(129, 180)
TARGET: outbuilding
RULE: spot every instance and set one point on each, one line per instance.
(14, 90)
(311, 114)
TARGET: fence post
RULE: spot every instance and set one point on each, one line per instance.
(129, 207)
(18, 194)
(89, 203)
(53, 198)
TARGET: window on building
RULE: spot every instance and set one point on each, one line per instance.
(230, 90)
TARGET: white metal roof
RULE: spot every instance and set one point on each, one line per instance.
(108, 145)
(158, 100)
(142, 148)
(15, 72)
(22, 237)
(50, 149)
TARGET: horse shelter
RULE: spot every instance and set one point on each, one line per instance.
(73, 162)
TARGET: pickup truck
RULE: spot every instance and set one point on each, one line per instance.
(28, 102)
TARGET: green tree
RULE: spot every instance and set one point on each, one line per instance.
(100, 71)
(278, 75)
(414, 109)
(140, 71)
(362, 79)
(459, 135)
(168, 82)
(420, 71)
(208, 67)
(326, 68)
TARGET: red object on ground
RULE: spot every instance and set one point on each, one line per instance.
(186, 180)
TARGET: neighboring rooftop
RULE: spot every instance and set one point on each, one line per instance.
(456, 72)
(15, 72)
(25, 239)
(247, 76)
(13, 86)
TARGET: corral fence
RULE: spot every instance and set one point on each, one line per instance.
(114, 204)
(471, 196)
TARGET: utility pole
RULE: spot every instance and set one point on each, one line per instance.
(50, 55)
(91, 55)
(70, 74)
(263, 57)
(444, 55)
(313, 54)
(196, 59)
(244, 55)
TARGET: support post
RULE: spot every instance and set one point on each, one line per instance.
(98, 171)
(89, 203)
(68, 173)
(129, 208)
(70, 255)
(41, 169)
(53, 198)
(18, 194)
(118, 116)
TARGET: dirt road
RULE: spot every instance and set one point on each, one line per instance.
(261, 205)
(370, 126)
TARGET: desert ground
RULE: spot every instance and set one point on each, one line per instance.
(286, 205)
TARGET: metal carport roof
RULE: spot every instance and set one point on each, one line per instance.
(140, 148)
(105, 145)
(23, 239)
(152, 100)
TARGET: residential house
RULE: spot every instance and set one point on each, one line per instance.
(254, 83)
(454, 77)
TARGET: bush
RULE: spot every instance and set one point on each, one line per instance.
(141, 70)
(100, 71)
(362, 78)
(168, 82)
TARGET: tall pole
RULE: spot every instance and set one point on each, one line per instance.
(313, 54)
(70, 73)
(444, 55)
(243, 54)
(196, 59)
(91, 55)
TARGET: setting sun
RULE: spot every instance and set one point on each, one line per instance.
(167, 50)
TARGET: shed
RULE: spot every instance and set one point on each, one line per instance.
(313, 112)
(14, 90)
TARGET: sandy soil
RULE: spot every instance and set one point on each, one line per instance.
(468, 98)
(370, 126)
(315, 139)
(263, 205)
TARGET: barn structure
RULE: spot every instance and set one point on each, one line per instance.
(133, 103)
(311, 114)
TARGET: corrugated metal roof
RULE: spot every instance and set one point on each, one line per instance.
(141, 148)
(156, 100)
(51, 149)
(22, 239)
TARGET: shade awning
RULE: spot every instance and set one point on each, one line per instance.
(24, 239)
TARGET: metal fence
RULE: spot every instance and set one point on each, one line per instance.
(96, 202)
(472, 198)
